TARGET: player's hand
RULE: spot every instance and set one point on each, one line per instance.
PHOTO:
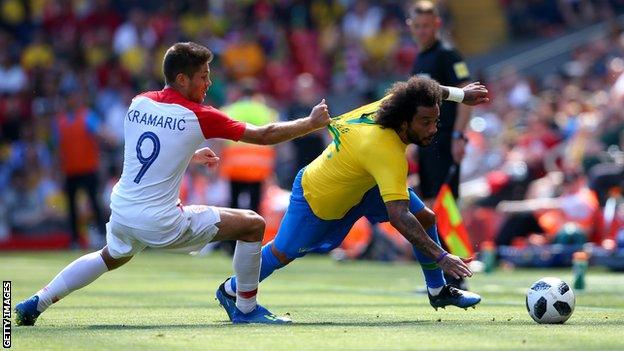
(319, 117)
(205, 157)
(475, 94)
(455, 266)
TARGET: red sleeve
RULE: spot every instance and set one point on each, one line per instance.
(216, 124)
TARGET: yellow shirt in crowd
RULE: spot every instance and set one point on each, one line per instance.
(362, 155)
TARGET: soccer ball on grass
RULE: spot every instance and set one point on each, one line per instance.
(550, 300)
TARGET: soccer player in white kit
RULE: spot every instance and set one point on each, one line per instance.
(162, 132)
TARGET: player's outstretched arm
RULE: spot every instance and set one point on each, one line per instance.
(278, 132)
(407, 224)
(472, 94)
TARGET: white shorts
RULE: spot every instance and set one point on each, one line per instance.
(196, 230)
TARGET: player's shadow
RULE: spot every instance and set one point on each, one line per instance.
(150, 327)
(224, 323)
(380, 323)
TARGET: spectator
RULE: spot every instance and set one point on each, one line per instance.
(576, 204)
(12, 76)
(78, 128)
(308, 147)
(247, 166)
(135, 32)
(242, 57)
(29, 202)
(362, 21)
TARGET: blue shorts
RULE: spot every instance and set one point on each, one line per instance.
(301, 231)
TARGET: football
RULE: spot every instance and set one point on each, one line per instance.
(550, 300)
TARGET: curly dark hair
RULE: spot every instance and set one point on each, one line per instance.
(184, 58)
(404, 99)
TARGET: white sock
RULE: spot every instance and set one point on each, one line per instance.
(247, 270)
(76, 275)
(435, 291)
(228, 287)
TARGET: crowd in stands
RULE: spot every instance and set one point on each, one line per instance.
(527, 19)
(554, 146)
(349, 51)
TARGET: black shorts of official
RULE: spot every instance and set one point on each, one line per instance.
(434, 163)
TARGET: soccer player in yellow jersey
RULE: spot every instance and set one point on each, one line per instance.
(363, 173)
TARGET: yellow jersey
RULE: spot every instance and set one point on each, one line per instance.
(362, 155)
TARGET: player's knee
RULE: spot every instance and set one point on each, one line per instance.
(255, 227)
(427, 218)
(111, 262)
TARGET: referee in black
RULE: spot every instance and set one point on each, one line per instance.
(443, 63)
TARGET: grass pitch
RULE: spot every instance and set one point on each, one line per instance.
(166, 302)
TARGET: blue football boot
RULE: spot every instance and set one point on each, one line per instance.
(258, 315)
(26, 311)
(228, 302)
(454, 297)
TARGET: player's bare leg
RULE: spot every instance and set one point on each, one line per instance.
(78, 274)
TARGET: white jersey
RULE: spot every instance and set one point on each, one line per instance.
(162, 131)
